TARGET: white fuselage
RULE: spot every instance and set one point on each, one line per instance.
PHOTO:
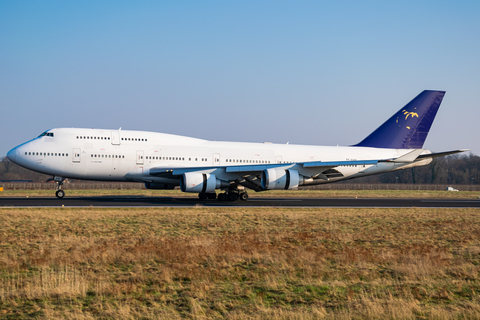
(124, 155)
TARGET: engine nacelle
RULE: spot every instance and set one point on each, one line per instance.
(276, 179)
(197, 182)
(159, 186)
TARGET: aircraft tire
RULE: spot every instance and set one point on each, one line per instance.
(212, 196)
(60, 194)
(203, 196)
(222, 197)
(232, 196)
(243, 196)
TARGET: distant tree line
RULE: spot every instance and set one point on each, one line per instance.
(12, 171)
(455, 169)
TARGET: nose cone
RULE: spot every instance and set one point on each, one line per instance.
(12, 155)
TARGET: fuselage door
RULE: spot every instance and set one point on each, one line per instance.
(76, 155)
(216, 159)
(139, 157)
(278, 159)
(115, 137)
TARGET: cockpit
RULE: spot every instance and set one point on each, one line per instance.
(46, 134)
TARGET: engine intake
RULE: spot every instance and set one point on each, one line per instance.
(277, 179)
(197, 182)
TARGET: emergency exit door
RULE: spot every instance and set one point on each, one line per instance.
(139, 157)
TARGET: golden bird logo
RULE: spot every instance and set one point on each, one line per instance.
(407, 114)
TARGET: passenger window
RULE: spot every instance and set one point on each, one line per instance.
(66, 155)
(145, 139)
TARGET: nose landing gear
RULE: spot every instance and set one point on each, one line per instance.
(59, 193)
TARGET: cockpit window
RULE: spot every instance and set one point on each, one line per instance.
(48, 134)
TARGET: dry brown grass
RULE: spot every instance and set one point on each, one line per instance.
(240, 263)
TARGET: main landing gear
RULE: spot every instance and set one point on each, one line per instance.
(229, 195)
(60, 193)
(205, 196)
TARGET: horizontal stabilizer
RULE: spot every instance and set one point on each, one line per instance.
(441, 154)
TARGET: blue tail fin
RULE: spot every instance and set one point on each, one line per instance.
(408, 128)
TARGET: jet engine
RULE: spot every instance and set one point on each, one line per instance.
(197, 182)
(276, 179)
(159, 186)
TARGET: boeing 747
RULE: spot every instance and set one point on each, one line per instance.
(164, 161)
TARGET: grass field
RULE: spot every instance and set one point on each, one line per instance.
(252, 194)
(240, 263)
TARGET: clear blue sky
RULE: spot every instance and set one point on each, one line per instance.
(308, 72)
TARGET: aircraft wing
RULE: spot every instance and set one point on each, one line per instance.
(254, 168)
(249, 175)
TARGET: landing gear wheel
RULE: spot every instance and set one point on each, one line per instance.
(222, 197)
(60, 194)
(232, 196)
(243, 196)
(202, 196)
(212, 196)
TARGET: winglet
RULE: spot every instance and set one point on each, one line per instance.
(409, 157)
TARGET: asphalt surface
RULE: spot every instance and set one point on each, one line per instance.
(140, 201)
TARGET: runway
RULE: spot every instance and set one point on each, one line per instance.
(141, 201)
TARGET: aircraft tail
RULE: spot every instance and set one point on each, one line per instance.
(408, 128)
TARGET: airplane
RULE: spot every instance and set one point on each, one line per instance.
(164, 161)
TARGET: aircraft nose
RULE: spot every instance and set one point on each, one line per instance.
(12, 155)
